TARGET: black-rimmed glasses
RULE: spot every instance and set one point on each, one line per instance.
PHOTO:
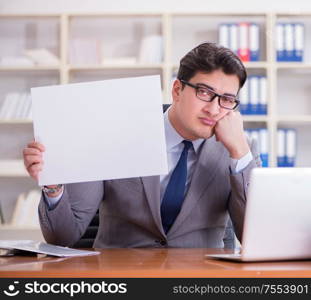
(205, 94)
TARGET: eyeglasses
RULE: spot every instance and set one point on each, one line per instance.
(205, 94)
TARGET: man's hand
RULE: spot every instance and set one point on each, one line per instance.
(33, 161)
(229, 131)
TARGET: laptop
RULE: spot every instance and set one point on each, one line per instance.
(277, 223)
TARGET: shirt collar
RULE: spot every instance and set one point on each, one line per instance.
(173, 138)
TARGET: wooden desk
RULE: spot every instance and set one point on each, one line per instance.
(148, 263)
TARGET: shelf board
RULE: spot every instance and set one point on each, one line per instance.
(252, 118)
(295, 119)
(29, 68)
(11, 232)
(12, 168)
(255, 64)
(29, 15)
(293, 65)
(15, 121)
(20, 227)
(113, 67)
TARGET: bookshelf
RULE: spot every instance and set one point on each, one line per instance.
(116, 39)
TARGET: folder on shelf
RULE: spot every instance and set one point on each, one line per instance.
(289, 41)
(262, 103)
(244, 98)
(254, 94)
(260, 135)
(280, 42)
(281, 159)
(243, 49)
(298, 41)
(254, 134)
(290, 147)
(224, 35)
(263, 138)
(233, 40)
(254, 42)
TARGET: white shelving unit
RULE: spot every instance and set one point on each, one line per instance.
(120, 37)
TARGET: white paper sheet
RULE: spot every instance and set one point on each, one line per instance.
(43, 248)
(100, 130)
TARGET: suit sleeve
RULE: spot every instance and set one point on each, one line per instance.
(238, 197)
(66, 223)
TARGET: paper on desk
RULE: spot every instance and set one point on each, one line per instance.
(100, 130)
(44, 248)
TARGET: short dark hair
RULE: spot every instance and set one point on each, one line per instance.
(208, 57)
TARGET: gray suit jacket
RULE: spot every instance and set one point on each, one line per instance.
(129, 209)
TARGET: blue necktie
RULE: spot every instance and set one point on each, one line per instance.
(175, 190)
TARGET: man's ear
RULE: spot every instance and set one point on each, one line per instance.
(176, 89)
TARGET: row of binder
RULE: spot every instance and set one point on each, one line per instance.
(253, 96)
(289, 41)
(242, 38)
(16, 106)
(260, 135)
(287, 144)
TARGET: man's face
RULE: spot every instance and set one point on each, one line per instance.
(193, 118)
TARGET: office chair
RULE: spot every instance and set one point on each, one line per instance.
(88, 238)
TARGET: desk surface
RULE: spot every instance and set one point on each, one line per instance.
(147, 263)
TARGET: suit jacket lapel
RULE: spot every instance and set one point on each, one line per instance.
(152, 191)
(203, 174)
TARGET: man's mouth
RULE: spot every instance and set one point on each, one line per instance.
(208, 122)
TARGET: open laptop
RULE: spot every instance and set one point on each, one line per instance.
(277, 223)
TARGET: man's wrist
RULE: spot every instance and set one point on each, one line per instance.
(239, 152)
(52, 190)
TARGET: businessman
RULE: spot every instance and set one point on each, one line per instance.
(209, 159)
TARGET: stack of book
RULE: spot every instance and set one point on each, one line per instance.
(260, 135)
(290, 42)
(242, 38)
(253, 96)
(16, 106)
(30, 58)
(287, 144)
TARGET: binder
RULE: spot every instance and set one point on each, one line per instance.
(243, 49)
(254, 133)
(289, 42)
(244, 98)
(254, 42)
(280, 41)
(298, 41)
(233, 38)
(263, 137)
(290, 154)
(262, 106)
(224, 35)
(254, 95)
(281, 148)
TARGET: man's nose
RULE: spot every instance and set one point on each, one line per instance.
(212, 107)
